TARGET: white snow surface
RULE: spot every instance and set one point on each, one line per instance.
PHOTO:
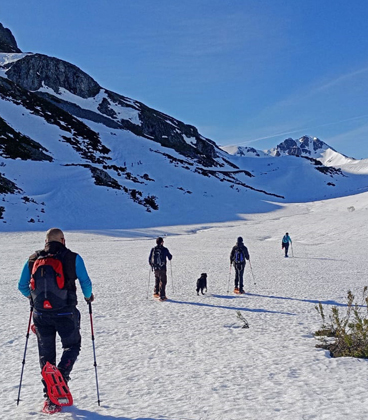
(189, 358)
(128, 113)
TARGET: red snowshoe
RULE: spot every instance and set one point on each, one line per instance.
(57, 389)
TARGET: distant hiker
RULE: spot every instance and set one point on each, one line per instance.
(157, 260)
(202, 284)
(48, 281)
(285, 243)
(238, 256)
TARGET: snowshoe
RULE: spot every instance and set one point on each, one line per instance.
(50, 408)
(57, 389)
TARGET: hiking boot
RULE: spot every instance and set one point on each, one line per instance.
(236, 289)
(156, 295)
(50, 408)
(241, 291)
(163, 298)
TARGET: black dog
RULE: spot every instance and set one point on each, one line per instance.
(202, 283)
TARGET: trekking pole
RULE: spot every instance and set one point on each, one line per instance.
(149, 281)
(25, 351)
(292, 251)
(228, 282)
(172, 278)
(251, 270)
(94, 351)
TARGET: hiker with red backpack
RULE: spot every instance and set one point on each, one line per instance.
(157, 261)
(238, 256)
(48, 280)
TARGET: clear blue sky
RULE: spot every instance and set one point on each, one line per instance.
(247, 72)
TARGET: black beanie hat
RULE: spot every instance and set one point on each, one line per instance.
(240, 239)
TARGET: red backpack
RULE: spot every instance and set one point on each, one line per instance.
(47, 283)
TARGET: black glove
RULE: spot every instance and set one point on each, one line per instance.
(90, 299)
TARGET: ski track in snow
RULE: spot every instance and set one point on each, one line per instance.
(188, 358)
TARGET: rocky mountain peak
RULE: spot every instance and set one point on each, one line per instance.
(305, 146)
(8, 44)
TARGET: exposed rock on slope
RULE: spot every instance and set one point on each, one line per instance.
(8, 44)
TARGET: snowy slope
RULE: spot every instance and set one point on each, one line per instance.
(189, 358)
(59, 194)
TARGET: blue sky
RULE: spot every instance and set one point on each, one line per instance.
(245, 72)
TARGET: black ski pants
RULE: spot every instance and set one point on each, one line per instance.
(239, 273)
(160, 282)
(66, 324)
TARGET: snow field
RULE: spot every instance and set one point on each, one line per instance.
(189, 358)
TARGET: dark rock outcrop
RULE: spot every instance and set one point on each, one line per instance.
(8, 44)
(83, 139)
(15, 145)
(289, 147)
(302, 147)
(34, 71)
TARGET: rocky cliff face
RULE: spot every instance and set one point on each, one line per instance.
(34, 71)
(8, 44)
(305, 146)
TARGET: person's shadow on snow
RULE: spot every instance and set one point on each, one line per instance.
(315, 301)
(231, 308)
(78, 414)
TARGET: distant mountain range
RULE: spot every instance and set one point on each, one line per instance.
(79, 156)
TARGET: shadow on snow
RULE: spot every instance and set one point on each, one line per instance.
(324, 302)
(207, 305)
(78, 414)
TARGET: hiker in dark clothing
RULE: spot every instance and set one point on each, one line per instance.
(157, 260)
(238, 256)
(285, 243)
(56, 311)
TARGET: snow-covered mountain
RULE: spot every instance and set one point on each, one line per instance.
(75, 154)
(307, 147)
(244, 151)
(316, 149)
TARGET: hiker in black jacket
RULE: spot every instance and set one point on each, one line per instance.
(157, 260)
(238, 256)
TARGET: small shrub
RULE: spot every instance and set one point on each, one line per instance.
(349, 331)
(242, 319)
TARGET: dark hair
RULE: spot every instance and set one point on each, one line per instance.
(240, 239)
(159, 240)
(204, 275)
